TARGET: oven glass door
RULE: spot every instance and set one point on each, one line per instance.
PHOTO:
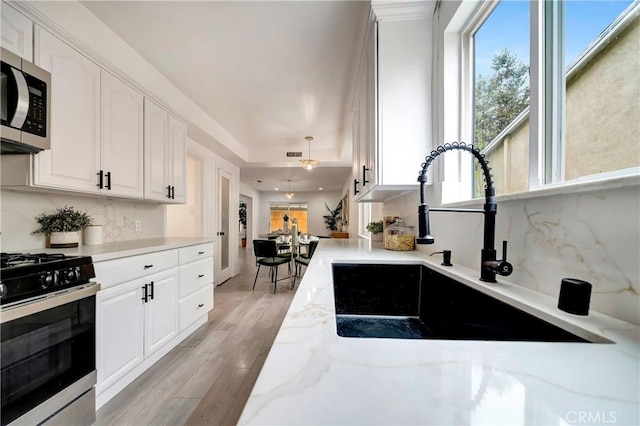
(45, 352)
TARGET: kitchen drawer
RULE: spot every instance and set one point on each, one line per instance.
(194, 306)
(195, 275)
(197, 252)
(116, 271)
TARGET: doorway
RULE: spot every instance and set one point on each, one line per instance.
(223, 260)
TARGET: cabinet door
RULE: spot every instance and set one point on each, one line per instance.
(161, 311)
(122, 138)
(74, 158)
(17, 32)
(119, 332)
(155, 152)
(177, 159)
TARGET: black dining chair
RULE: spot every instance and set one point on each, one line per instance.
(266, 252)
(304, 259)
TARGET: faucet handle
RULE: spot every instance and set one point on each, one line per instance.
(503, 267)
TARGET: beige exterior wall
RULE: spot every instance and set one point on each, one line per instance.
(603, 110)
(602, 119)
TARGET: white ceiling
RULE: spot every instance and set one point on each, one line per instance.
(269, 72)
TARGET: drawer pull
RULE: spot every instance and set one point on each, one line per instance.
(200, 252)
(201, 275)
(200, 305)
(148, 266)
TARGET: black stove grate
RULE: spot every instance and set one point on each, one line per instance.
(10, 260)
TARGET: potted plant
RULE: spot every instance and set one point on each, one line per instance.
(331, 219)
(375, 228)
(243, 222)
(62, 226)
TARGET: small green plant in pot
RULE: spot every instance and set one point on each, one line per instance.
(376, 229)
(62, 226)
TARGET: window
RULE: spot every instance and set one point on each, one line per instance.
(297, 211)
(554, 89)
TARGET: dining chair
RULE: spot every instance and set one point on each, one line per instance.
(266, 252)
(304, 259)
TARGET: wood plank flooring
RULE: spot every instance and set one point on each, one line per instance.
(207, 379)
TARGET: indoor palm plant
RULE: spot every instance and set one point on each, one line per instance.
(62, 226)
(331, 219)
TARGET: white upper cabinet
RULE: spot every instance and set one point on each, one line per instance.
(122, 138)
(178, 160)
(16, 32)
(394, 101)
(96, 126)
(73, 161)
(165, 155)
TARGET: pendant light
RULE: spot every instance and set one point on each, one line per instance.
(289, 194)
(309, 163)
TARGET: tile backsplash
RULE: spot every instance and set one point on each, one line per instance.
(117, 216)
(593, 236)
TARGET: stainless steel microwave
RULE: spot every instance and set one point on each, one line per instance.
(25, 107)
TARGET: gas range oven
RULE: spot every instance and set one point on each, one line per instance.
(47, 320)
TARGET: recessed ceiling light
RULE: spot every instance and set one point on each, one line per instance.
(275, 189)
(320, 189)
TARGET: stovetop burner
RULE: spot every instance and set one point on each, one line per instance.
(10, 260)
(26, 275)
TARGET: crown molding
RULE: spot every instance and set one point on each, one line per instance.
(403, 9)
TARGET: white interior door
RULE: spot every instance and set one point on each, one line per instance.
(223, 232)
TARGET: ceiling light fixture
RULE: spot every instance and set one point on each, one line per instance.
(309, 163)
(289, 194)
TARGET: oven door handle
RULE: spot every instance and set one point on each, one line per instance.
(49, 301)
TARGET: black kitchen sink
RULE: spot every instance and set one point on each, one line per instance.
(415, 302)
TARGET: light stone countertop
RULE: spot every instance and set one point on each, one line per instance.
(313, 376)
(119, 249)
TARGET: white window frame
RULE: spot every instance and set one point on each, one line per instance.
(546, 111)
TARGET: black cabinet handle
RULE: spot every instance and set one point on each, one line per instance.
(151, 292)
(355, 186)
(200, 305)
(148, 266)
(100, 179)
(168, 191)
(364, 175)
(145, 297)
(173, 192)
(200, 252)
(108, 175)
(200, 275)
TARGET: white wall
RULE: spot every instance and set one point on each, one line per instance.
(118, 216)
(315, 208)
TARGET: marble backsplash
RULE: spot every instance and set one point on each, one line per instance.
(118, 217)
(593, 236)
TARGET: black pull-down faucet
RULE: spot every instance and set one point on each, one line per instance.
(489, 265)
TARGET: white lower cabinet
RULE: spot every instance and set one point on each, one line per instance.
(147, 305)
(135, 319)
(195, 305)
(119, 332)
(161, 310)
